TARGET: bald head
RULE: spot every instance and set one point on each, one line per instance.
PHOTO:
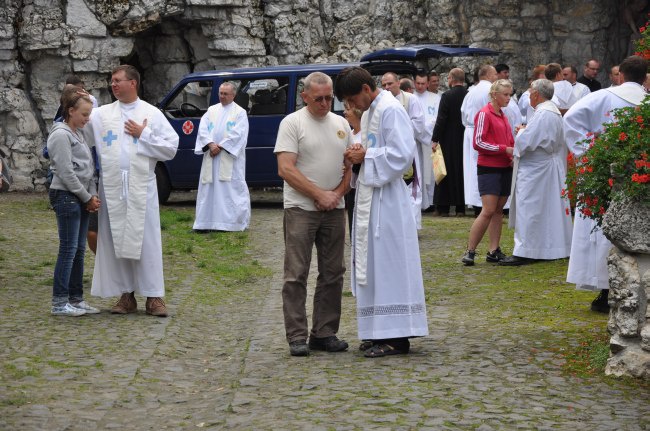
(487, 72)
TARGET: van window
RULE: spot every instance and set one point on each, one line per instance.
(337, 105)
(262, 96)
(191, 101)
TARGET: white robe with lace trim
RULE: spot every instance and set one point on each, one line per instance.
(389, 291)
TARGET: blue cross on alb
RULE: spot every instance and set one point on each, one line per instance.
(210, 127)
(109, 138)
(372, 140)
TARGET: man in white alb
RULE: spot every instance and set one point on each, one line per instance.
(570, 74)
(131, 137)
(477, 97)
(563, 96)
(223, 202)
(386, 271)
(589, 247)
(539, 214)
(390, 82)
(429, 103)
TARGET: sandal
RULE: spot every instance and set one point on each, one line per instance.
(380, 350)
(365, 345)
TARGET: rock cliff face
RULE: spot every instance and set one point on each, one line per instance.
(43, 41)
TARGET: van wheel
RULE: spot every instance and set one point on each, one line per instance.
(163, 183)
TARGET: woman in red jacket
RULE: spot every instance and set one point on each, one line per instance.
(494, 142)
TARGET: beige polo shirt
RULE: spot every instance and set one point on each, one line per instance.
(319, 144)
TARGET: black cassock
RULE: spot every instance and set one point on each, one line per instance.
(449, 132)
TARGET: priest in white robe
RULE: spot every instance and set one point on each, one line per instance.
(390, 82)
(589, 247)
(563, 96)
(223, 201)
(539, 214)
(477, 97)
(429, 102)
(131, 136)
(386, 271)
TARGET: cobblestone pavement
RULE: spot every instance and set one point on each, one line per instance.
(227, 366)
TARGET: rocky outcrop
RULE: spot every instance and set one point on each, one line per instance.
(626, 226)
(43, 41)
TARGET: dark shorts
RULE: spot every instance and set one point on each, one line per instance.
(92, 222)
(494, 181)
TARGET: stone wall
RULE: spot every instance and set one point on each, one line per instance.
(626, 226)
(43, 41)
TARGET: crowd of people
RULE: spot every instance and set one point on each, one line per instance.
(500, 152)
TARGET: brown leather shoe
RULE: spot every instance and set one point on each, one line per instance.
(156, 307)
(126, 304)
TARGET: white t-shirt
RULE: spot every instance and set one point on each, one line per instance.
(319, 144)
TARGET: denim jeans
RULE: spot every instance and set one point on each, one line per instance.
(72, 220)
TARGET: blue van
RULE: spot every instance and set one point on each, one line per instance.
(268, 94)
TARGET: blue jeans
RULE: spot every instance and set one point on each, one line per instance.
(72, 220)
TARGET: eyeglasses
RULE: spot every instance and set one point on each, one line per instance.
(320, 99)
(117, 81)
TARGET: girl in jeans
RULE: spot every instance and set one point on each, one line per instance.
(73, 194)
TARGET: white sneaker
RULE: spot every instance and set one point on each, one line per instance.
(83, 305)
(67, 310)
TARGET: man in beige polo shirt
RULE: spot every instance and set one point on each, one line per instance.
(310, 147)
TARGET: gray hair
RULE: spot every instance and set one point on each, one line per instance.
(317, 78)
(544, 87)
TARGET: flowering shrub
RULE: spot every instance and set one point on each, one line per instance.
(615, 165)
(643, 44)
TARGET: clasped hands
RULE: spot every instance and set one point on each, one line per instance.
(214, 149)
(92, 206)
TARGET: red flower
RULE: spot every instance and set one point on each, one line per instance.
(622, 136)
(639, 119)
(590, 169)
(584, 160)
(611, 182)
(601, 211)
(587, 212)
(566, 210)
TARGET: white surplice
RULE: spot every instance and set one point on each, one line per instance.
(475, 100)
(525, 109)
(223, 201)
(580, 90)
(540, 215)
(386, 270)
(563, 95)
(589, 247)
(429, 102)
(129, 246)
(416, 115)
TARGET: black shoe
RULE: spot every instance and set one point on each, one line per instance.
(468, 258)
(298, 348)
(328, 344)
(601, 304)
(515, 261)
(495, 256)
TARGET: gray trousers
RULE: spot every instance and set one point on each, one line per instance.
(303, 229)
